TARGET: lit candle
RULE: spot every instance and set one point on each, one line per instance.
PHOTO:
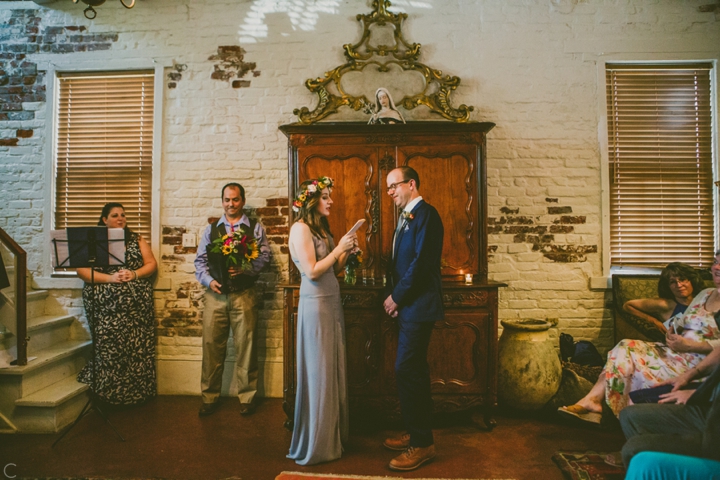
(468, 278)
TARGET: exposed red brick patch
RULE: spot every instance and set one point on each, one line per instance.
(559, 210)
(267, 211)
(568, 253)
(509, 211)
(561, 228)
(515, 229)
(274, 221)
(171, 240)
(568, 219)
(231, 64)
(516, 220)
(275, 202)
(8, 142)
(283, 230)
(24, 133)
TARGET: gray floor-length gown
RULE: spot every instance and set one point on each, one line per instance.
(321, 407)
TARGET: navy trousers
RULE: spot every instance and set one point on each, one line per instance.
(412, 374)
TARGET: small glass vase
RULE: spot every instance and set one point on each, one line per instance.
(350, 275)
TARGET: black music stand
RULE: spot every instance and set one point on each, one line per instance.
(83, 247)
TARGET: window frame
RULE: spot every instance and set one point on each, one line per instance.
(53, 279)
(604, 281)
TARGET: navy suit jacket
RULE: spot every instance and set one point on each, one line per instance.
(415, 268)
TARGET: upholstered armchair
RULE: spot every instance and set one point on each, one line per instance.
(637, 325)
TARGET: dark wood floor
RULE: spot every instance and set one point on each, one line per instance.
(165, 439)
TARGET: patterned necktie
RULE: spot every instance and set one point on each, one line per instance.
(400, 223)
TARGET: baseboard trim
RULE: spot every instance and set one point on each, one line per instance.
(181, 376)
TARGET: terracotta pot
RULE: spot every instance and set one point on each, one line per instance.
(529, 370)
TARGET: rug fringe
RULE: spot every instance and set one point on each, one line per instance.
(295, 475)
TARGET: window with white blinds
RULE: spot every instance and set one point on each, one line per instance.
(104, 145)
(661, 164)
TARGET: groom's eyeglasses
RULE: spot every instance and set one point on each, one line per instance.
(393, 186)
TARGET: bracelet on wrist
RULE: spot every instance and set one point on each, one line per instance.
(135, 274)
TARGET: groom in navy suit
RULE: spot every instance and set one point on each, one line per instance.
(415, 300)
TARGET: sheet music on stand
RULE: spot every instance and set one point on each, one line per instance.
(88, 247)
(70, 247)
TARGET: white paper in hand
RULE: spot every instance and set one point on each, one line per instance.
(356, 227)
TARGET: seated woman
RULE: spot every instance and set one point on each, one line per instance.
(119, 305)
(677, 286)
(636, 364)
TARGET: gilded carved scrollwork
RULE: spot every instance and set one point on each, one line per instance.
(402, 54)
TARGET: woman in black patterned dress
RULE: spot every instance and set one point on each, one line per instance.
(123, 322)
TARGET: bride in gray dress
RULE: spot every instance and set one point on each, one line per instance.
(321, 421)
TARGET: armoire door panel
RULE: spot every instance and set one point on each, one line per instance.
(362, 352)
(448, 181)
(458, 347)
(354, 196)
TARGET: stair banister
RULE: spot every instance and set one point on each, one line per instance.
(20, 295)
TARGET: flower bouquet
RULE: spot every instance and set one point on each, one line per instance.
(238, 247)
(355, 259)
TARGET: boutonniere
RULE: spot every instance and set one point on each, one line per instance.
(407, 216)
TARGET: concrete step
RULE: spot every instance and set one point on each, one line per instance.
(50, 409)
(53, 395)
(36, 303)
(48, 330)
(35, 308)
(51, 365)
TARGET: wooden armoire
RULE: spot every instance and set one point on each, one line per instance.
(450, 160)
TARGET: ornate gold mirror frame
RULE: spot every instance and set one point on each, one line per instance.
(402, 54)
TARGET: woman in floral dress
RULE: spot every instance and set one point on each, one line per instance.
(636, 364)
(119, 305)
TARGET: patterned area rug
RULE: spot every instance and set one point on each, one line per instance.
(321, 476)
(586, 466)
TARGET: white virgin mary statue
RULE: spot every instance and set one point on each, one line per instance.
(385, 111)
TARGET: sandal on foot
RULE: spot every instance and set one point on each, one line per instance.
(614, 460)
(582, 413)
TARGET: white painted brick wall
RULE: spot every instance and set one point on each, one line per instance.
(530, 66)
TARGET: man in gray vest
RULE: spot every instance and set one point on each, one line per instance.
(229, 303)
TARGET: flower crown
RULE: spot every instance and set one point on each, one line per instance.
(316, 186)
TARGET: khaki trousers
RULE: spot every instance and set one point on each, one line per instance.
(222, 312)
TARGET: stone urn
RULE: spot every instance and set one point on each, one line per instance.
(529, 370)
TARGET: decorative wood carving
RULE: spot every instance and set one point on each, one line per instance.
(465, 299)
(435, 94)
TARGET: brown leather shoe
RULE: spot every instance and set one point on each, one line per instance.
(398, 443)
(412, 458)
(208, 409)
(247, 408)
